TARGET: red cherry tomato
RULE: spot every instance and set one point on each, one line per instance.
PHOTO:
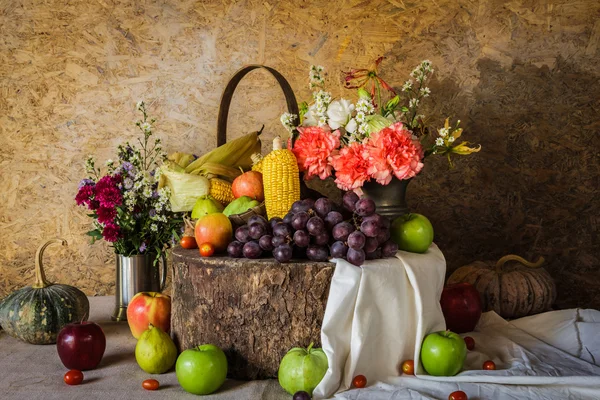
(470, 342)
(489, 365)
(458, 395)
(150, 384)
(188, 242)
(359, 381)
(73, 377)
(408, 367)
(207, 250)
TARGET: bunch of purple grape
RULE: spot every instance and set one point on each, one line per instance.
(317, 231)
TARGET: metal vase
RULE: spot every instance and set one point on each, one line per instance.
(390, 199)
(137, 274)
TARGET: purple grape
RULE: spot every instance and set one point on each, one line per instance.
(300, 219)
(339, 249)
(288, 217)
(278, 241)
(356, 240)
(332, 219)
(342, 230)
(323, 206)
(322, 238)
(383, 236)
(374, 255)
(257, 219)
(315, 226)
(365, 207)
(389, 249)
(310, 203)
(301, 238)
(315, 252)
(356, 257)
(349, 201)
(242, 234)
(257, 230)
(299, 206)
(301, 395)
(283, 253)
(252, 249)
(274, 220)
(371, 245)
(381, 221)
(265, 242)
(370, 228)
(235, 249)
(282, 229)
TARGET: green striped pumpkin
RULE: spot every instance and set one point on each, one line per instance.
(36, 313)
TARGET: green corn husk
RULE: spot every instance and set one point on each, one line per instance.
(185, 188)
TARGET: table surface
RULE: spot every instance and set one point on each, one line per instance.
(36, 372)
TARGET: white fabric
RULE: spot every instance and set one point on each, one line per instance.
(377, 316)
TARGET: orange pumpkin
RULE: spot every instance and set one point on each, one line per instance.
(512, 287)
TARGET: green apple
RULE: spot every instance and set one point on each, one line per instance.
(302, 369)
(202, 369)
(443, 353)
(412, 232)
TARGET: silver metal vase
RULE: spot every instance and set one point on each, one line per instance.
(389, 199)
(137, 274)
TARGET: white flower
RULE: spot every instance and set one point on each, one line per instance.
(443, 132)
(315, 77)
(439, 141)
(351, 126)
(425, 91)
(310, 117)
(109, 163)
(451, 139)
(153, 227)
(139, 105)
(413, 103)
(146, 127)
(407, 87)
(339, 113)
(287, 120)
(360, 117)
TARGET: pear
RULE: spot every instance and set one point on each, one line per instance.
(155, 352)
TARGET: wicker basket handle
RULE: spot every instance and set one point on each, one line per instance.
(290, 98)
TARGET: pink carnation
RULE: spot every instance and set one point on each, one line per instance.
(107, 192)
(351, 166)
(111, 232)
(106, 215)
(313, 148)
(84, 195)
(394, 150)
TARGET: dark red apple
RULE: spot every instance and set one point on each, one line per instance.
(461, 306)
(81, 345)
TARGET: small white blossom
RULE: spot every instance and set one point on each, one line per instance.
(315, 76)
(146, 127)
(443, 132)
(407, 87)
(451, 139)
(139, 105)
(287, 120)
(425, 91)
(153, 227)
(439, 141)
(413, 103)
(109, 162)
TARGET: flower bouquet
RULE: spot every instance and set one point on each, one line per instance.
(128, 208)
(379, 137)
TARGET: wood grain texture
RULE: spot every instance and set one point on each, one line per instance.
(523, 76)
(255, 310)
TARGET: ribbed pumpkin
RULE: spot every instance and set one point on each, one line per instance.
(36, 313)
(512, 286)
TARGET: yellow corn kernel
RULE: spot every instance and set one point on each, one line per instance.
(257, 162)
(220, 190)
(281, 180)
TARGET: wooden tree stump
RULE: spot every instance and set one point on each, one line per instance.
(255, 310)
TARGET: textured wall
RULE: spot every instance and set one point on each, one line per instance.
(522, 76)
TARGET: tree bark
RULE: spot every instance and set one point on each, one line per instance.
(255, 310)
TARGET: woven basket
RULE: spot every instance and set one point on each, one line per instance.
(292, 105)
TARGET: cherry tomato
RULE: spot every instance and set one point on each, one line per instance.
(408, 367)
(188, 242)
(207, 250)
(73, 377)
(470, 342)
(458, 395)
(150, 384)
(359, 381)
(489, 365)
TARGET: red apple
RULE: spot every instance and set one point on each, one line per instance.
(249, 184)
(81, 346)
(214, 229)
(149, 308)
(461, 305)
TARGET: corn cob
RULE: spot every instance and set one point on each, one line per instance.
(220, 190)
(257, 162)
(281, 180)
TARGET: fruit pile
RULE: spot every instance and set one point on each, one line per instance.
(317, 231)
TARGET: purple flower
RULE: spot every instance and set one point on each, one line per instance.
(155, 194)
(86, 182)
(143, 247)
(127, 166)
(152, 213)
(128, 183)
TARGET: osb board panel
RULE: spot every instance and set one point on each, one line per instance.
(521, 75)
